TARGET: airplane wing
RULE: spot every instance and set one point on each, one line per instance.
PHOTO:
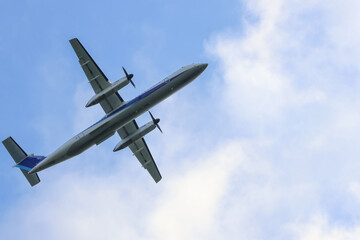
(141, 150)
(96, 77)
(99, 82)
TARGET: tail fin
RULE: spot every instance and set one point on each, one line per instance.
(23, 161)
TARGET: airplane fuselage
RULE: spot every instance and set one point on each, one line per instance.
(107, 126)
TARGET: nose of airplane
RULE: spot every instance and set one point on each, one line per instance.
(203, 66)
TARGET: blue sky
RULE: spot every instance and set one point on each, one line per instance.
(263, 145)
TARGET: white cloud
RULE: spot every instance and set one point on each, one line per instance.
(288, 79)
(188, 206)
(85, 117)
(90, 207)
(288, 59)
(319, 227)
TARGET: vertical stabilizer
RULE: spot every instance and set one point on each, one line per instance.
(18, 154)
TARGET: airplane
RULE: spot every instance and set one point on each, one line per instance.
(119, 117)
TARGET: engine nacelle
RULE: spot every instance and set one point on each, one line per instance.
(141, 132)
(116, 86)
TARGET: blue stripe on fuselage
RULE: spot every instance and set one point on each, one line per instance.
(137, 99)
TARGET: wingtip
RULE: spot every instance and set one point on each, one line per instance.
(158, 180)
(6, 139)
(73, 39)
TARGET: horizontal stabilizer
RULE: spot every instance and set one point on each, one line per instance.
(33, 178)
(19, 156)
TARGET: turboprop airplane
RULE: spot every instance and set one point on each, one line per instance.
(119, 117)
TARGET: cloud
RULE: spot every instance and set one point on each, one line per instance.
(292, 57)
(256, 87)
(287, 80)
(86, 206)
(318, 227)
(85, 117)
(188, 205)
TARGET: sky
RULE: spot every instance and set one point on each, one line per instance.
(263, 145)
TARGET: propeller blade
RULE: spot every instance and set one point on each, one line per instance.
(132, 83)
(156, 121)
(129, 77)
(125, 72)
(152, 117)
(159, 128)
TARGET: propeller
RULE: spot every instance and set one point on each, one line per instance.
(156, 121)
(129, 76)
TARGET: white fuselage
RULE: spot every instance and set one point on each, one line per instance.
(128, 111)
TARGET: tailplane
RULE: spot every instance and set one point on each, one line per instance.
(23, 161)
